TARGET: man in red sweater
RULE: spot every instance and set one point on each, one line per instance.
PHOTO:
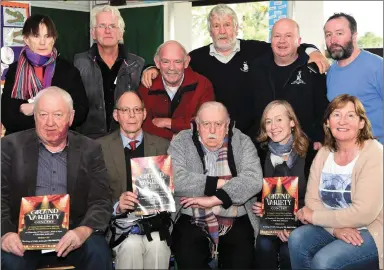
(174, 97)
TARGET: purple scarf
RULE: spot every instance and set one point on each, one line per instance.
(27, 85)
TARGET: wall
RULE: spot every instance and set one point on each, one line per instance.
(310, 17)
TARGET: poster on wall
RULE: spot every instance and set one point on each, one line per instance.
(13, 17)
(277, 10)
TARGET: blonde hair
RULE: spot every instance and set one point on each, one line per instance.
(339, 102)
(98, 9)
(300, 143)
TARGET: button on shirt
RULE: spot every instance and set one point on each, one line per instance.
(51, 172)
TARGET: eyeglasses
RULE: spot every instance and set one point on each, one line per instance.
(135, 110)
(104, 26)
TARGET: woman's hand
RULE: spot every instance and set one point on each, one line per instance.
(283, 235)
(349, 235)
(27, 108)
(256, 209)
(305, 215)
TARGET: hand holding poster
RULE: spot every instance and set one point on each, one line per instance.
(279, 204)
(43, 221)
(152, 181)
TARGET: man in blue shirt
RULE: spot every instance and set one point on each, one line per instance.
(355, 72)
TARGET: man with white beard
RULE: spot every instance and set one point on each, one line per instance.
(355, 72)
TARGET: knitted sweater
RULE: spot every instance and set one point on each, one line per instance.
(366, 193)
(190, 180)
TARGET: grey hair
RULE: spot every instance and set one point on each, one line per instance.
(54, 91)
(222, 10)
(157, 53)
(98, 9)
(212, 104)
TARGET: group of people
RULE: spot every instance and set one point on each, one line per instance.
(228, 114)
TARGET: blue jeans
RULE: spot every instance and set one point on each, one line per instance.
(94, 254)
(271, 253)
(312, 247)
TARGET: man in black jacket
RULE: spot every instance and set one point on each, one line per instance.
(50, 160)
(284, 74)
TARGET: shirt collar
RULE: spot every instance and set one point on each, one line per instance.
(167, 88)
(127, 140)
(213, 51)
(43, 145)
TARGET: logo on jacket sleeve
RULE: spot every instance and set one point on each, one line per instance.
(245, 67)
(298, 79)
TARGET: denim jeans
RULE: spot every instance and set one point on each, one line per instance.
(271, 253)
(94, 254)
(312, 247)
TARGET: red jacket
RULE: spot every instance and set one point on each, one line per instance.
(194, 91)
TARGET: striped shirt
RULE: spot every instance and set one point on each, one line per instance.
(51, 172)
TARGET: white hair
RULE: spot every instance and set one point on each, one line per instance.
(98, 9)
(212, 104)
(157, 54)
(222, 10)
(54, 91)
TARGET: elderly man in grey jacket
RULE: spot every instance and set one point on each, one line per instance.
(217, 174)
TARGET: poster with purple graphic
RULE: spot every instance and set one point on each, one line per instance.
(13, 16)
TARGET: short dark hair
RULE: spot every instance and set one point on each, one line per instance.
(349, 18)
(31, 25)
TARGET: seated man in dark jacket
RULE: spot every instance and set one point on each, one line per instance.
(52, 160)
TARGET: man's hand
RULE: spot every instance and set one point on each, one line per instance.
(320, 60)
(349, 235)
(127, 202)
(317, 146)
(149, 75)
(11, 243)
(305, 215)
(200, 202)
(256, 209)
(27, 109)
(162, 122)
(283, 235)
(72, 240)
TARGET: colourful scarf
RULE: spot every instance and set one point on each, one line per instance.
(27, 85)
(209, 219)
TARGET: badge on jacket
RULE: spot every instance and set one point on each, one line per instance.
(298, 79)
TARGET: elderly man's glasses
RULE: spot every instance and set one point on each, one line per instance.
(104, 26)
(126, 110)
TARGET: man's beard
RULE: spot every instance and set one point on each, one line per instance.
(344, 52)
(225, 47)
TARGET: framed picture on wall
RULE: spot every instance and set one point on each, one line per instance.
(100, 2)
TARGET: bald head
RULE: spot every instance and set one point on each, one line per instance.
(209, 107)
(285, 41)
(171, 59)
(287, 23)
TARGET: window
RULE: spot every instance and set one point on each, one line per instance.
(253, 22)
(369, 18)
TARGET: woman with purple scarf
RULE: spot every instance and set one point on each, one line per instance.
(288, 155)
(37, 68)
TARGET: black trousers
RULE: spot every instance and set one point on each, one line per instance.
(191, 245)
(271, 253)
